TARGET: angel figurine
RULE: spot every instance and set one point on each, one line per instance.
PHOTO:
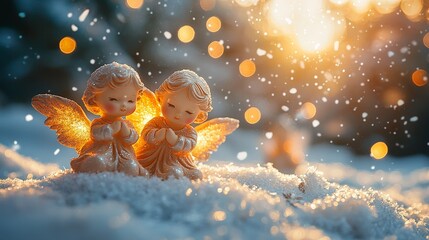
(168, 144)
(105, 144)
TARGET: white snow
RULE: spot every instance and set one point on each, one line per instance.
(337, 197)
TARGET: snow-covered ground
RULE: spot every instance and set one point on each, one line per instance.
(334, 195)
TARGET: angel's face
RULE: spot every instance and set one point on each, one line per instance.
(117, 102)
(178, 110)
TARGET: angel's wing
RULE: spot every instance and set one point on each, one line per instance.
(147, 108)
(211, 134)
(66, 117)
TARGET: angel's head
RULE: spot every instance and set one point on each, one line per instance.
(184, 98)
(113, 90)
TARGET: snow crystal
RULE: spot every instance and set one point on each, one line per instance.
(414, 119)
(28, 118)
(293, 91)
(315, 123)
(242, 156)
(269, 135)
(167, 35)
(57, 151)
(83, 15)
(74, 28)
(285, 108)
(261, 52)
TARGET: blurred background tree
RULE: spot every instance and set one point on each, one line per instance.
(348, 72)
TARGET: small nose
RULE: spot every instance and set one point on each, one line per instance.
(123, 106)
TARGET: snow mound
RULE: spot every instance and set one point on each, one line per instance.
(14, 165)
(231, 202)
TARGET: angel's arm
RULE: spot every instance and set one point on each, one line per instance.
(101, 132)
(185, 143)
(152, 133)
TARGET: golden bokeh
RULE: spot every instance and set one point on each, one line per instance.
(135, 4)
(411, 8)
(186, 34)
(379, 150)
(426, 40)
(67, 45)
(213, 24)
(386, 6)
(252, 115)
(247, 68)
(219, 216)
(207, 5)
(308, 110)
(420, 77)
(215, 49)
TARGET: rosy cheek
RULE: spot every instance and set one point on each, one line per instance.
(132, 109)
(190, 120)
(165, 111)
(110, 107)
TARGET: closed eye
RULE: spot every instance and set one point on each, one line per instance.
(171, 105)
(190, 113)
(130, 101)
(113, 99)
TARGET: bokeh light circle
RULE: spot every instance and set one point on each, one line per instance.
(215, 49)
(247, 68)
(252, 115)
(420, 77)
(308, 110)
(135, 4)
(379, 150)
(67, 45)
(186, 34)
(213, 24)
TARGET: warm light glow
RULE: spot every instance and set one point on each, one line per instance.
(392, 95)
(426, 40)
(207, 5)
(186, 34)
(247, 68)
(306, 21)
(67, 45)
(213, 24)
(339, 2)
(386, 6)
(135, 4)
(361, 6)
(215, 49)
(420, 77)
(379, 150)
(211, 134)
(247, 3)
(411, 8)
(308, 110)
(294, 151)
(252, 115)
(219, 216)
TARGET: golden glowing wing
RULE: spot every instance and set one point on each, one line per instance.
(211, 134)
(147, 108)
(66, 117)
